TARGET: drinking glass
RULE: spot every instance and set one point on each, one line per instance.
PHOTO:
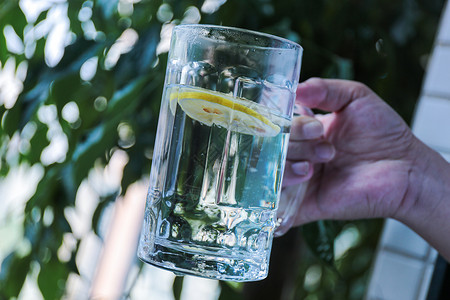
(219, 153)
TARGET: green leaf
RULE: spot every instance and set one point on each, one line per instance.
(103, 137)
(177, 287)
(107, 7)
(75, 55)
(32, 98)
(64, 88)
(143, 55)
(72, 264)
(137, 164)
(230, 291)
(18, 21)
(145, 11)
(44, 190)
(11, 14)
(13, 273)
(42, 16)
(37, 143)
(61, 224)
(96, 217)
(74, 7)
(125, 99)
(38, 55)
(52, 277)
(33, 230)
(320, 237)
(97, 142)
(11, 120)
(3, 50)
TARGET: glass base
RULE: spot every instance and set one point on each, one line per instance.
(203, 262)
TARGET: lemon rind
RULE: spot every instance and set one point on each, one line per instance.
(178, 94)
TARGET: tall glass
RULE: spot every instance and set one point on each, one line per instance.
(220, 152)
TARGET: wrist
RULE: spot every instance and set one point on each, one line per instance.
(428, 183)
(426, 205)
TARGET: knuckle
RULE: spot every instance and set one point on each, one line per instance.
(360, 90)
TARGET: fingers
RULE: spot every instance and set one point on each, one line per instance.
(306, 147)
(306, 141)
(330, 94)
(314, 151)
(305, 128)
(303, 110)
(297, 172)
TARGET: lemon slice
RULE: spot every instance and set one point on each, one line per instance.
(209, 107)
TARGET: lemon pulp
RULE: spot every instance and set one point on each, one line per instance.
(210, 107)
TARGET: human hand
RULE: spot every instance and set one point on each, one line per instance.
(306, 147)
(376, 167)
(370, 150)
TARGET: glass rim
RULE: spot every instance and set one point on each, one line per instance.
(294, 46)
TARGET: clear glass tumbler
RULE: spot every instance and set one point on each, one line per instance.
(220, 152)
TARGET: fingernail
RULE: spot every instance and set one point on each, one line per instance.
(325, 151)
(301, 168)
(312, 130)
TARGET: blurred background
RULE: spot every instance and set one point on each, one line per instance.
(80, 89)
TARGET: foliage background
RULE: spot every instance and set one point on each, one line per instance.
(99, 91)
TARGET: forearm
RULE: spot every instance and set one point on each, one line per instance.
(428, 203)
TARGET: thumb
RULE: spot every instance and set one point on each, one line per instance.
(330, 94)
